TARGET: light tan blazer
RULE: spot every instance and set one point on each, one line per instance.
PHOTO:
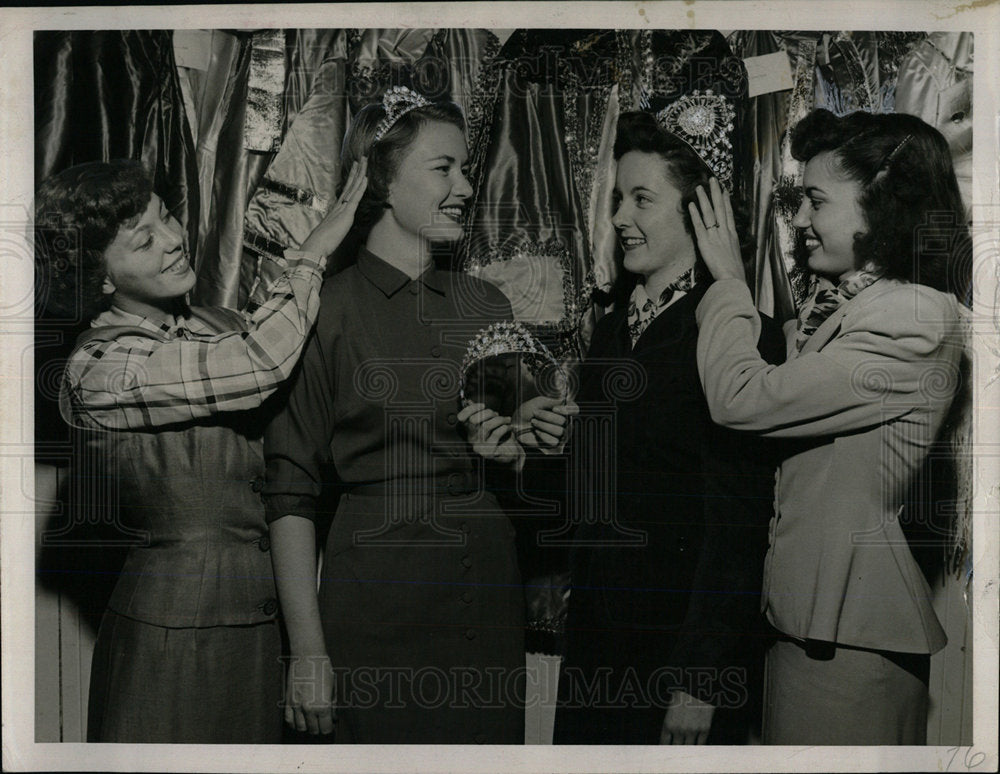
(863, 401)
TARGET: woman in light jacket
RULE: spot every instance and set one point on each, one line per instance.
(873, 366)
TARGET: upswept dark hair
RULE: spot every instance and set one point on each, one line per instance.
(909, 194)
(78, 213)
(639, 131)
(385, 155)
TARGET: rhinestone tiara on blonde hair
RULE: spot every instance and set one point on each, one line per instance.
(704, 120)
(397, 102)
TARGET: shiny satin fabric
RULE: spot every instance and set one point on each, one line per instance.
(935, 83)
(332, 75)
(544, 169)
(535, 175)
(110, 95)
(841, 72)
(219, 94)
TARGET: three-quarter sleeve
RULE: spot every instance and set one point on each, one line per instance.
(297, 440)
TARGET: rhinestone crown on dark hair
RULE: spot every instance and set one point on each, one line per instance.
(704, 121)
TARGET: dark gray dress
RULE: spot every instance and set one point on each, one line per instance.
(420, 594)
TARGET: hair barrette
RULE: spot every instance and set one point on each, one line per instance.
(895, 151)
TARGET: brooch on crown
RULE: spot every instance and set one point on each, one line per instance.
(397, 102)
(704, 121)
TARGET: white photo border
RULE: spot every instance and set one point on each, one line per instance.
(17, 528)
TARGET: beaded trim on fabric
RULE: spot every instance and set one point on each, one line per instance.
(264, 119)
(296, 194)
(576, 299)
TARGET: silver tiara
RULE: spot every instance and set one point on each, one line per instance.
(704, 122)
(506, 337)
(397, 102)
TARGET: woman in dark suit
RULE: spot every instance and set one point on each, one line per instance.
(666, 567)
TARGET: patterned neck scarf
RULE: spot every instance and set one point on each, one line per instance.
(642, 310)
(827, 299)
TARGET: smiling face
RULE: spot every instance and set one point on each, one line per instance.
(427, 198)
(146, 264)
(829, 217)
(649, 220)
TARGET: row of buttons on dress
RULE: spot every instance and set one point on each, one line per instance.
(257, 485)
(269, 606)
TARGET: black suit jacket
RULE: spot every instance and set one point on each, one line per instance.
(679, 558)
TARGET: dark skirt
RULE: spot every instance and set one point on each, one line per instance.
(424, 623)
(217, 684)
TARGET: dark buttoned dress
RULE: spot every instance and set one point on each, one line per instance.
(419, 594)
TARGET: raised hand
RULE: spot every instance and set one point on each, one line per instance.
(328, 235)
(715, 230)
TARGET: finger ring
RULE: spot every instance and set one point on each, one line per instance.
(715, 225)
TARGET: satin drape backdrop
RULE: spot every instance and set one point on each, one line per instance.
(541, 110)
(244, 141)
(243, 138)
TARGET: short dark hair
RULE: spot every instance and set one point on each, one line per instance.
(385, 155)
(909, 194)
(639, 131)
(78, 213)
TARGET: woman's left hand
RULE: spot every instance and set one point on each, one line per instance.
(490, 434)
(715, 230)
(541, 422)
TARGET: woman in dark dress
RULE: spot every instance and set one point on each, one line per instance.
(415, 634)
(665, 578)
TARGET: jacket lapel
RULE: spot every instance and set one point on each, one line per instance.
(831, 326)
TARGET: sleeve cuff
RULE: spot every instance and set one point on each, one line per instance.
(304, 258)
(278, 505)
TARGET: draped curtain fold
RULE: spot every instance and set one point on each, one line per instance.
(115, 94)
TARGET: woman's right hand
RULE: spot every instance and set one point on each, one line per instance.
(715, 230)
(309, 694)
(490, 434)
(328, 235)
